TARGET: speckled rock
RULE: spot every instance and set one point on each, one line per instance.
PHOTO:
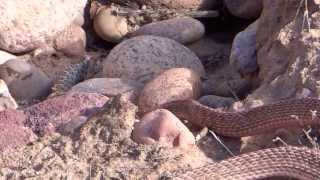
(52, 114)
(25, 25)
(216, 101)
(13, 133)
(244, 50)
(6, 100)
(71, 41)
(171, 85)
(110, 87)
(163, 127)
(4, 57)
(247, 9)
(25, 81)
(110, 27)
(142, 58)
(184, 30)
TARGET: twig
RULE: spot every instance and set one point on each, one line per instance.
(223, 145)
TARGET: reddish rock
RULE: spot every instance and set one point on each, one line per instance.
(163, 127)
(52, 114)
(13, 133)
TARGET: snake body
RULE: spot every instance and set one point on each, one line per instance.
(297, 162)
(293, 113)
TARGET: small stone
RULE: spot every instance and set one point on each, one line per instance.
(244, 50)
(25, 81)
(4, 57)
(216, 101)
(52, 114)
(247, 9)
(171, 85)
(163, 127)
(6, 100)
(71, 41)
(144, 57)
(110, 27)
(110, 87)
(184, 30)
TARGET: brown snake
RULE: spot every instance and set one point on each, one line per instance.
(297, 162)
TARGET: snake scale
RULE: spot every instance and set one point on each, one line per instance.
(296, 162)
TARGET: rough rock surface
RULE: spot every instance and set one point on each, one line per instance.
(163, 127)
(184, 30)
(171, 85)
(52, 114)
(13, 133)
(25, 25)
(143, 57)
(25, 81)
(244, 50)
(288, 55)
(247, 9)
(71, 41)
(102, 150)
(110, 87)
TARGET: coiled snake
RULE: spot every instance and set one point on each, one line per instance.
(297, 162)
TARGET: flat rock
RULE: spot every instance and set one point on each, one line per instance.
(25, 25)
(247, 9)
(13, 133)
(142, 58)
(171, 85)
(25, 81)
(110, 87)
(52, 114)
(184, 30)
(163, 127)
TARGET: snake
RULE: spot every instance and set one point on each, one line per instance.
(296, 162)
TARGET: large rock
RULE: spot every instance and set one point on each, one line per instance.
(163, 127)
(247, 9)
(184, 30)
(110, 87)
(25, 81)
(53, 114)
(243, 55)
(143, 57)
(25, 25)
(171, 85)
